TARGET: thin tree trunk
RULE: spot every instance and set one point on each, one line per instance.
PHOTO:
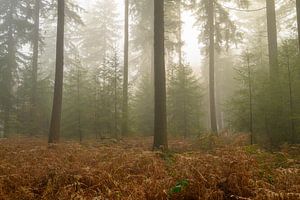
(250, 99)
(160, 119)
(54, 132)
(125, 78)
(290, 96)
(115, 103)
(78, 105)
(213, 118)
(298, 20)
(35, 65)
(183, 70)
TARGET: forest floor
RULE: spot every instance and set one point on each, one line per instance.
(96, 170)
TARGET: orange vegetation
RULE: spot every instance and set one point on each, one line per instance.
(128, 169)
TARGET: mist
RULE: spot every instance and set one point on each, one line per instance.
(149, 99)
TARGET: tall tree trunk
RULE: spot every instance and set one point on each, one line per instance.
(160, 118)
(125, 78)
(8, 79)
(54, 132)
(275, 98)
(212, 101)
(250, 99)
(183, 69)
(272, 40)
(292, 122)
(298, 20)
(78, 105)
(115, 103)
(35, 65)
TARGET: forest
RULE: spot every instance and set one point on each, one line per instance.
(150, 99)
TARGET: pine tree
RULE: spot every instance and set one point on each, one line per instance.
(184, 102)
(15, 26)
(219, 30)
(76, 101)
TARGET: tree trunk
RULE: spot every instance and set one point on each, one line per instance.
(54, 132)
(8, 79)
(250, 99)
(160, 118)
(213, 118)
(292, 122)
(35, 66)
(298, 20)
(115, 103)
(78, 104)
(125, 78)
(272, 40)
(185, 122)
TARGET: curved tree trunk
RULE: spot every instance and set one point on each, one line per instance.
(54, 132)
(160, 118)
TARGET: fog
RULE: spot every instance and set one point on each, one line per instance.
(138, 92)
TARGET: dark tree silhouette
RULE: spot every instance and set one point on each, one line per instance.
(160, 118)
(54, 132)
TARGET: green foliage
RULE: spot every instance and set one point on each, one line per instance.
(184, 101)
(273, 122)
(143, 107)
(179, 187)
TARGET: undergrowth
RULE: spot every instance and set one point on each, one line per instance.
(129, 170)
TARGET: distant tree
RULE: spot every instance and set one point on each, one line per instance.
(104, 24)
(288, 66)
(160, 115)
(76, 94)
(143, 112)
(219, 30)
(35, 56)
(184, 102)
(54, 131)
(106, 86)
(125, 72)
(15, 26)
(212, 101)
(142, 36)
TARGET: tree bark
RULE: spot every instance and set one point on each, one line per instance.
(250, 99)
(35, 64)
(298, 20)
(54, 132)
(125, 78)
(160, 118)
(8, 79)
(185, 122)
(213, 118)
(272, 40)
